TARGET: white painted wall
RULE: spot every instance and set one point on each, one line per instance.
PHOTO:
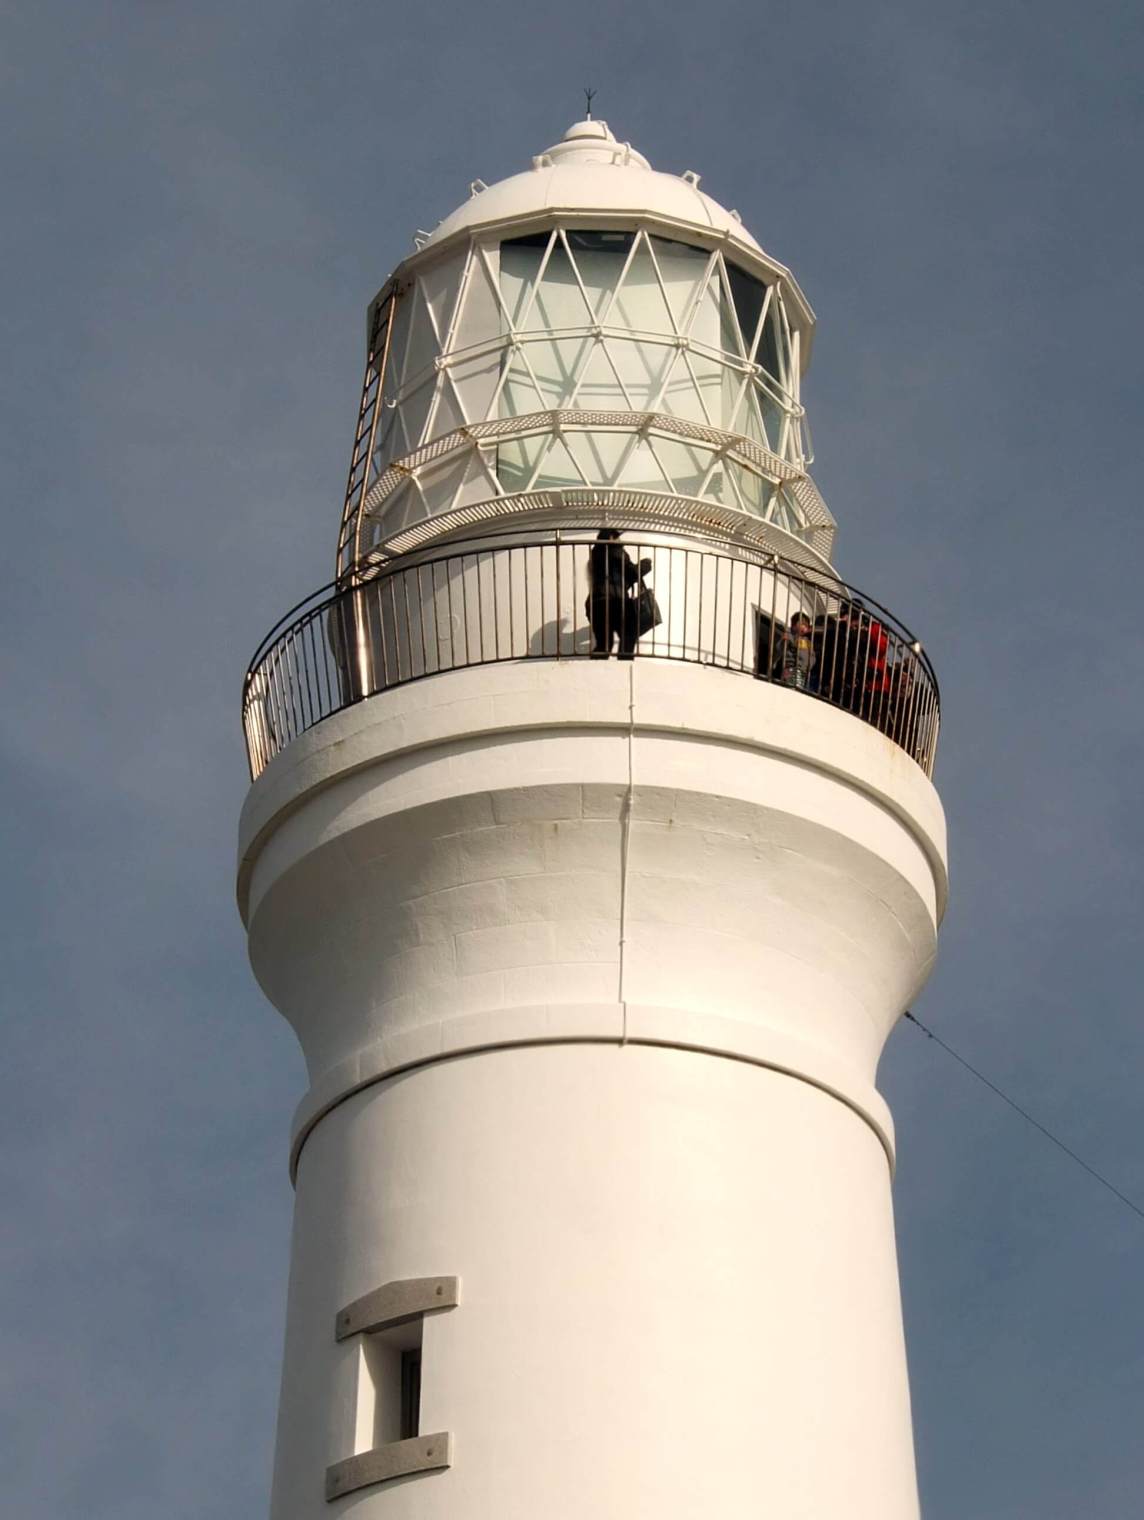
(592, 965)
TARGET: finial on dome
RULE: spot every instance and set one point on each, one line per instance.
(591, 141)
(589, 96)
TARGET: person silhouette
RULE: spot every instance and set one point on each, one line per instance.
(612, 612)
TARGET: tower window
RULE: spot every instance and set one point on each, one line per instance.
(410, 1393)
(389, 1386)
(385, 1328)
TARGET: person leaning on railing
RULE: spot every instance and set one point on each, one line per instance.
(901, 700)
(796, 656)
(877, 675)
(834, 666)
(613, 610)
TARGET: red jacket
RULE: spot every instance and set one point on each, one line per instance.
(877, 675)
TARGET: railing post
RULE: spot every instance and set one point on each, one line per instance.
(363, 652)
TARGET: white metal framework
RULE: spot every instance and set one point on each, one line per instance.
(514, 371)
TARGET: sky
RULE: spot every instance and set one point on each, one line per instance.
(200, 201)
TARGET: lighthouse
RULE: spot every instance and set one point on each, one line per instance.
(592, 853)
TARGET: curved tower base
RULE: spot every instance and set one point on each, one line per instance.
(592, 965)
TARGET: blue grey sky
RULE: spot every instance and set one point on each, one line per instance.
(200, 200)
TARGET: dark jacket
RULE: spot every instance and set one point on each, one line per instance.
(610, 571)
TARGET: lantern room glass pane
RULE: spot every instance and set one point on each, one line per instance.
(600, 259)
(423, 345)
(520, 262)
(771, 350)
(748, 295)
(682, 270)
(640, 305)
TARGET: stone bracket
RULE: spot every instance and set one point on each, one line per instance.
(395, 1460)
(396, 1303)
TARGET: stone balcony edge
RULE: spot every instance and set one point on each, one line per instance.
(642, 695)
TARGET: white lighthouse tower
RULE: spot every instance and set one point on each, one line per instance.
(592, 855)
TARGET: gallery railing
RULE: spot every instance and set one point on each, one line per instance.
(561, 597)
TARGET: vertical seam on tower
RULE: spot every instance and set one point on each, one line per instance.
(625, 843)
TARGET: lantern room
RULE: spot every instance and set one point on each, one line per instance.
(588, 334)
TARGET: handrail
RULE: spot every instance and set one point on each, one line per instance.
(559, 595)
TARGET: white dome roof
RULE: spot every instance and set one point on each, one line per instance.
(588, 170)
